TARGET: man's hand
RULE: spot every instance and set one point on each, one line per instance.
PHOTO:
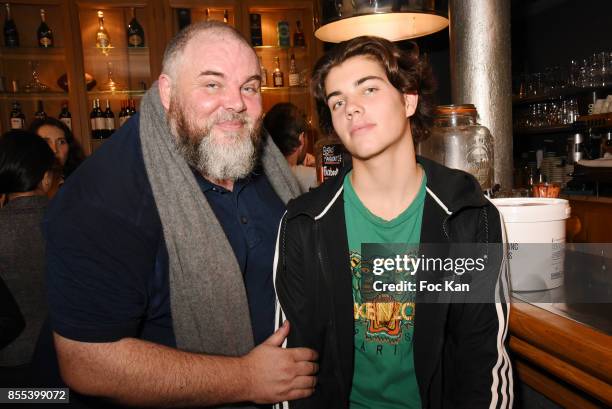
(278, 374)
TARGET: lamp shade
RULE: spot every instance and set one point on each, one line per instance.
(394, 20)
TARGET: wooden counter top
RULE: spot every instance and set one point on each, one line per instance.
(566, 361)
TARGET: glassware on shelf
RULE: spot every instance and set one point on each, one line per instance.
(110, 84)
(35, 85)
(103, 41)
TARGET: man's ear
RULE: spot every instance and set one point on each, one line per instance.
(410, 104)
(164, 83)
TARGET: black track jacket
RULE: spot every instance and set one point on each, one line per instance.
(460, 356)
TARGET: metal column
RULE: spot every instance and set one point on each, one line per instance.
(481, 74)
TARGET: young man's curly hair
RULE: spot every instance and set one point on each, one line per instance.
(406, 71)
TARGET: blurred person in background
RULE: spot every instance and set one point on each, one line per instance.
(26, 164)
(288, 128)
(67, 150)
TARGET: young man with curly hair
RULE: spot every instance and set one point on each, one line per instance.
(429, 349)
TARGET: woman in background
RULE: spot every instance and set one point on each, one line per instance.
(66, 149)
(26, 164)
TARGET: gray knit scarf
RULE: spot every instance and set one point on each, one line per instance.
(210, 313)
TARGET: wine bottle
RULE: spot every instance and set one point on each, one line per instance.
(102, 37)
(264, 73)
(298, 37)
(225, 16)
(100, 120)
(11, 36)
(95, 131)
(132, 107)
(294, 76)
(109, 120)
(17, 117)
(44, 32)
(122, 114)
(135, 32)
(40, 112)
(277, 75)
(65, 116)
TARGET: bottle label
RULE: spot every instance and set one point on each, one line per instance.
(68, 122)
(93, 124)
(110, 124)
(332, 159)
(100, 123)
(45, 42)
(135, 40)
(278, 80)
(103, 41)
(17, 123)
(294, 80)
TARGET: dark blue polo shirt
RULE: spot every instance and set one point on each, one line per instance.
(107, 262)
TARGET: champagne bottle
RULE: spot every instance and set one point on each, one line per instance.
(17, 117)
(109, 120)
(65, 116)
(294, 76)
(298, 37)
(40, 112)
(102, 37)
(264, 73)
(277, 75)
(44, 32)
(135, 32)
(11, 36)
(100, 120)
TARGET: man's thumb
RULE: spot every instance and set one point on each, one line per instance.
(279, 336)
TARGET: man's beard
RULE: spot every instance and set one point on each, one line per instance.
(216, 154)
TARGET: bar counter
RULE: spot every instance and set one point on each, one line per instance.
(561, 339)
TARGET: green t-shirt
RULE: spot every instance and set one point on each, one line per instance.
(384, 376)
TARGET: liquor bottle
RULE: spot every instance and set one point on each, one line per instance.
(135, 32)
(183, 17)
(226, 16)
(206, 14)
(132, 107)
(109, 120)
(17, 117)
(102, 37)
(294, 76)
(264, 73)
(44, 32)
(256, 35)
(11, 36)
(298, 37)
(40, 112)
(284, 37)
(277, 75)
(65, 116)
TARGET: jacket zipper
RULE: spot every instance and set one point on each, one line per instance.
(332, 320)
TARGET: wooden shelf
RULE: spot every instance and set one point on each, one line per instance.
(33, 53)
(298, 90)
(51, 95)
(121, 93)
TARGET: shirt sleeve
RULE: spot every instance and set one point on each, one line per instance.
(97, 267)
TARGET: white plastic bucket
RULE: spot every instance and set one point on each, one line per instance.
(529, 221)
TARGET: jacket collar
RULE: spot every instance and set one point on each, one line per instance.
(451, 189)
